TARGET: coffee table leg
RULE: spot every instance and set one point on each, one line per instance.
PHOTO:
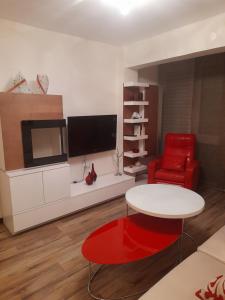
(191, 238)
(181, 241)
(92, 276)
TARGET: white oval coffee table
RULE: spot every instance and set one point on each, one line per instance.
(165, 201)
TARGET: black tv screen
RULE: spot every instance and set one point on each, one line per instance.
(91, 134)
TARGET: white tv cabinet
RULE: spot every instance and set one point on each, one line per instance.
(30, 197)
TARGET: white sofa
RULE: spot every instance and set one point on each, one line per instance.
(193, 273)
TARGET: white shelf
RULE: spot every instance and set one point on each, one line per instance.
(135, 169)
(141, 102)
(134, 155)
(135, 138)
(102, 182)
(133, 121)
(135, 84)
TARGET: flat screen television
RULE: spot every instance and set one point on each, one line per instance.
(91, 134)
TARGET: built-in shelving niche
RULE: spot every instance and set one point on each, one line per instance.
(140, 135)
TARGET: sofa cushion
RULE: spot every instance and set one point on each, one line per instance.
(215, 245)
(173, 162)
(188, 277)
(175, 176)
(215, 290)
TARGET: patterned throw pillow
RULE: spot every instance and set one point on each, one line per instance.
(215, 290)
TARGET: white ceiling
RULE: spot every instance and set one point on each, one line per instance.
(92, 19)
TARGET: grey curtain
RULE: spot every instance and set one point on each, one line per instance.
(194, 101)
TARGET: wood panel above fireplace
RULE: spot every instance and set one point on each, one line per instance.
(17, 107)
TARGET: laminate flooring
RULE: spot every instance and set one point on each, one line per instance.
(46, 262)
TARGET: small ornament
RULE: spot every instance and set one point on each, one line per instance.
(43, 83)
(135, 115)
(137, 130)
(117, 158)
(40, 85)
(93, 173)
(18, 85)
(88, 179)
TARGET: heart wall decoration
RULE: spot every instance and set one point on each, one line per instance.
(20, 85)
(43, 83)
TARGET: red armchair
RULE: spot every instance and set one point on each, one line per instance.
(177, 165)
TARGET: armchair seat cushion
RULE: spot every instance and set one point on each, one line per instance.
(169, 175)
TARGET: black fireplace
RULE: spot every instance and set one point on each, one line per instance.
(44, 142)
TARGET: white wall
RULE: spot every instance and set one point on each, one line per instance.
(191, 40)
(88, 74)
(149, 74)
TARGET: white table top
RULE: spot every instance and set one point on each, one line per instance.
(165, 201)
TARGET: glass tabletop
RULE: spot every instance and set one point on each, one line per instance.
(131, 238)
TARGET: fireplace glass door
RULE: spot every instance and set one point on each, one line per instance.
(43, 142)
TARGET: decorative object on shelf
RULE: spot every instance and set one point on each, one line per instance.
(89, 179)
(43, 82)
(18, 85)
(117, 158)
(93, 173)
(136, 115)
(137, 164)
(40, 85)
(137, 130)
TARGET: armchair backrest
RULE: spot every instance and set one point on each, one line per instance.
(178, 144)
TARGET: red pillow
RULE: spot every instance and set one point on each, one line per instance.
(215, 290)
(172, 162)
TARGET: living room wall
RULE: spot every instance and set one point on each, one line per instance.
(185, 42)
(88, 74)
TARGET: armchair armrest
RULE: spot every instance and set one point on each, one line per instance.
(192, 174)
(153, 166)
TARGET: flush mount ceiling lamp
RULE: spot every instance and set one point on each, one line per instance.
(125, 6)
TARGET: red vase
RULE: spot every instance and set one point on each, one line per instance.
(93, 173)
(89, 179)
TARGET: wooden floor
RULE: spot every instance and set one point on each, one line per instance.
(46, 262)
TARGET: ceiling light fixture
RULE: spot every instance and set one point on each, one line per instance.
(125, 6)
